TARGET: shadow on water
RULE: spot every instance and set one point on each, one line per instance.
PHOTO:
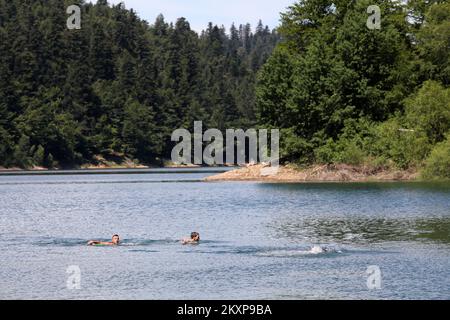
(423, 186)
(422, 215)
(366, 230)
(54, 242)
(100, 182)
(147, 242)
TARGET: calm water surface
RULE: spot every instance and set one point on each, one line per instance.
(256, 238)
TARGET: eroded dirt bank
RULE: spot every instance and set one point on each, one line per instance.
(323, 173)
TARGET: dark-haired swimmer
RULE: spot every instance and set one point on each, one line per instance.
(194, 239)
(114, 242)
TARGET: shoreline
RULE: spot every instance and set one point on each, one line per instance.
(114, 170)
(317, 173)
(251, 173)
(113, 161)
(126, 165)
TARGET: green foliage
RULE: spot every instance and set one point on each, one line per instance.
(50, 162)
(434, 40)
(118, 84)
(274, 86)
(6, 147)
(343, 151)
(437, 165)
(342, 93)
(332, 68)
(22, 151)
(339, 92)
(385, 144)
(404, 147)
(139, 136)
(294, 148)
(429, 110)
(39, 156)
(352, 147)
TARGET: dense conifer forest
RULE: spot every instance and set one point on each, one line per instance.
(339, 91)
(119, 85)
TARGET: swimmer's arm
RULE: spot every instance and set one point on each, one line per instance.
(189, 241)
(186, 241)
(94, 243)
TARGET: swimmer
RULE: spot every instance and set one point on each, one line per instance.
(114, 242)
(195, 239)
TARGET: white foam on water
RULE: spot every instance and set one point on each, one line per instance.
(315, 250)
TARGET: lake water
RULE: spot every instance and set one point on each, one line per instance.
(256, 238)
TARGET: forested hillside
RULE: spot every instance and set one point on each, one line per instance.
(339, 91)
(344, 93)
(119, 85)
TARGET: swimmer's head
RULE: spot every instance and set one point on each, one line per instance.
(115, 239)
(195, 236)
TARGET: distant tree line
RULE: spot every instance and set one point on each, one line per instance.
(119, 85)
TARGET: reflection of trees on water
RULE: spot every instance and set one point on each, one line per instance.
(365, 230)
(436, 229)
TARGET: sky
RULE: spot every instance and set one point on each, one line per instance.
(220, 12)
